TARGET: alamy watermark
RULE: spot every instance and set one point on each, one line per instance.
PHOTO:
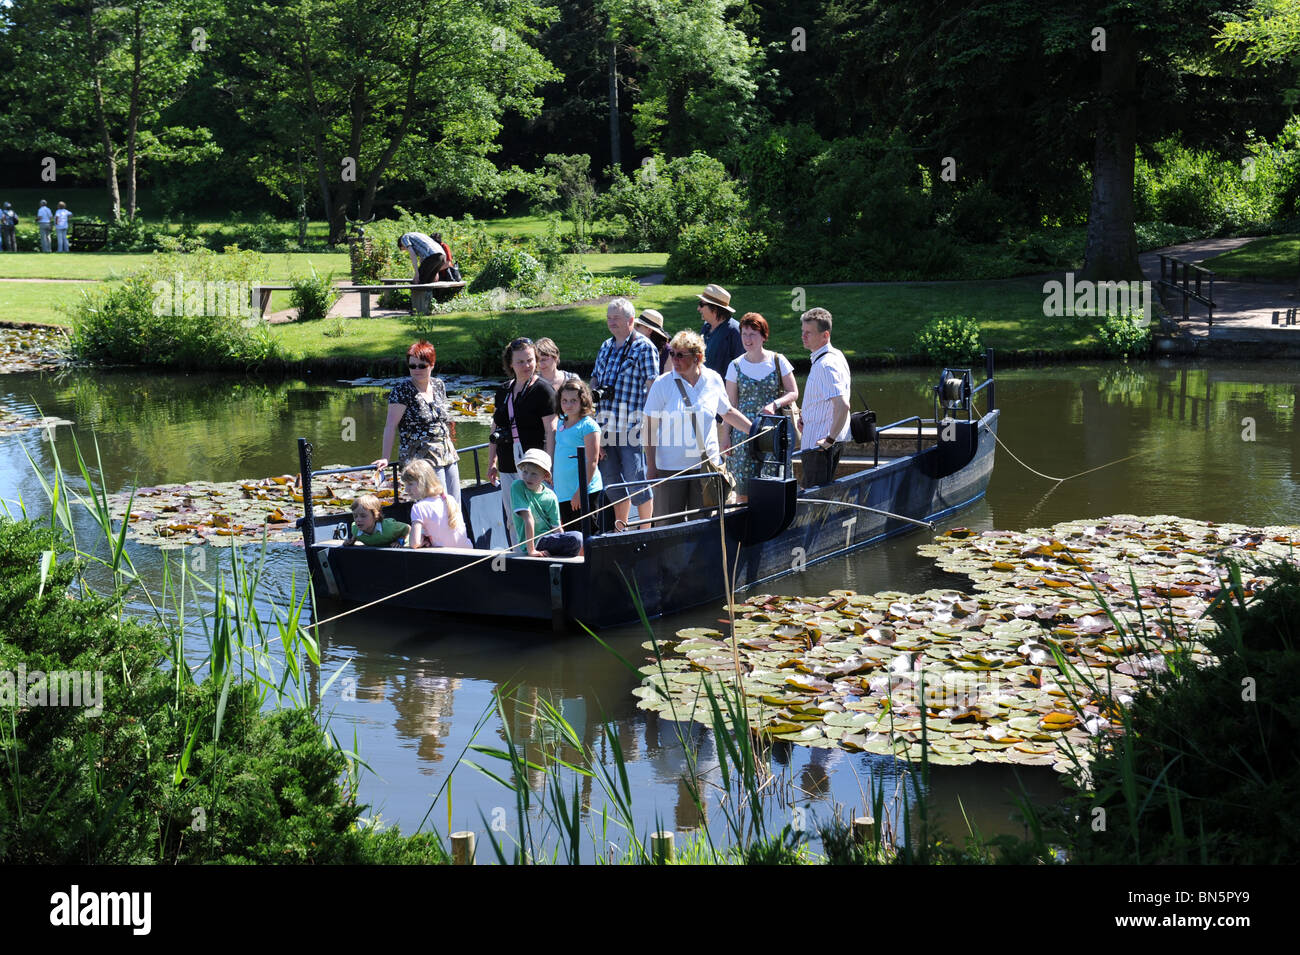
(1085, 297)
(82, 688)
(181, 298)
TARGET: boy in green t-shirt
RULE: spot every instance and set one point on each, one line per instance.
(370, 527)
(537, 511)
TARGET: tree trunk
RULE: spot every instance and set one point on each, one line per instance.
(1111, 253)
(105, 137)
(615, 146)
(133, 113)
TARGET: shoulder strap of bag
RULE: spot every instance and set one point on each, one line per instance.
(695, 434)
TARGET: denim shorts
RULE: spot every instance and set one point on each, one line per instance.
(623, 463)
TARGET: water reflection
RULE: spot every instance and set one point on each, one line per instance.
(1209, 442)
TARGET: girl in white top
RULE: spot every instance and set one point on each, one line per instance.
(435, 518)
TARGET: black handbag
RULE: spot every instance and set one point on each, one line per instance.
(862, 426)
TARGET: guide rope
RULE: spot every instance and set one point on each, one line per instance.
(1048, 477)
(500, 554)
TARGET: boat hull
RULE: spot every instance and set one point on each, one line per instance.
(676, 567)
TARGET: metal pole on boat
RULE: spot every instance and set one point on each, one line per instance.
(584, 500)
(988, 376)
(863, 507)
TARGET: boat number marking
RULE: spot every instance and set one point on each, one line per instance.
(800, 559)
(499, 561)
(848, 530)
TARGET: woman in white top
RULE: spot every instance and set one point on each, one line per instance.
(758, 382)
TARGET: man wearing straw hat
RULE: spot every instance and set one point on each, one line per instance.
(721, 332)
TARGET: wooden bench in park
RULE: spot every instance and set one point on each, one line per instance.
(422, 293)
(87, 236)
(260, 296)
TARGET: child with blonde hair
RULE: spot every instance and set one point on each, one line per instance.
(435, 517)
(370, 527)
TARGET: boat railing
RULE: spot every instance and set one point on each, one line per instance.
(920, 423)
(634, 487)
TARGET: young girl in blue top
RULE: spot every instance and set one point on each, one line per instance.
(575, 426)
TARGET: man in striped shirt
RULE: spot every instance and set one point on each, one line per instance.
(825, 412)
(428, 257)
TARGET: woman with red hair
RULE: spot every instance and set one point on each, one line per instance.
(420, 415)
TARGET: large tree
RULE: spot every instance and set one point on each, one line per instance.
(97, 77)
(1037, 99)
(699, 72)
(351, 93)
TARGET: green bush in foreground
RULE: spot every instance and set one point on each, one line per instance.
(949, 340)
(170, 771)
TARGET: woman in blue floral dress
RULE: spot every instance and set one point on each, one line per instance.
(758, 382)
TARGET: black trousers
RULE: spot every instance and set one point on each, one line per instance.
(430, 267)
(819, 464)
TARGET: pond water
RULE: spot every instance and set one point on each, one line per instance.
(1212, 442)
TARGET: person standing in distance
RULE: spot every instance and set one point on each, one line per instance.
(626, 366)
(45, 222)
(826, 401)
(61, 219)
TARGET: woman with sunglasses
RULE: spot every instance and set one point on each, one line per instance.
(524, 417)
(420, 415)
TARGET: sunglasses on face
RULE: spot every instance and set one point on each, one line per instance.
(682, 354)
(420, 365)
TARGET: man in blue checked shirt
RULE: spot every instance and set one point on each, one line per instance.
(625, 367)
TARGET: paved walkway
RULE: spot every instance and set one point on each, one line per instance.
(1244, 310)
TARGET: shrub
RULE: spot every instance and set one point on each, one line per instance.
(371, 260)
(977, 214)
(122, 787)
(151, 320)
(509, 268)
(1125, 335)
(1205, 771)
(949, 340)
(312, 297)
(721, 253)
(128, 235)
(665, 196)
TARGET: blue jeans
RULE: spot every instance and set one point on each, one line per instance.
(62, 235)
(45, 236)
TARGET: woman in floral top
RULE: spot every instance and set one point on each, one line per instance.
(420, 415)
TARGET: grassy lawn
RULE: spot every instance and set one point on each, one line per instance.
(871, 322)
(1273, 258)
(39, 301)
(96, 266)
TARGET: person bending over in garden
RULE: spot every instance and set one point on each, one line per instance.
(428, 257)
